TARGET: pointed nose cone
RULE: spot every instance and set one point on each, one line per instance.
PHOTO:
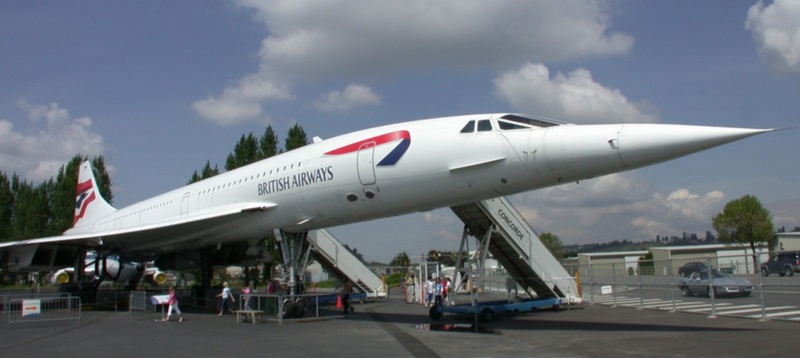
(646, 144)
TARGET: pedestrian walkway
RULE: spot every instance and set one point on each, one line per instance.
(753, 311)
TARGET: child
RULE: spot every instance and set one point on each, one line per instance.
(173, 304)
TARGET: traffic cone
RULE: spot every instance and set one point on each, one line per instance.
(339, 301)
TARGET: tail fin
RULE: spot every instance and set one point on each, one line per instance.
(89, 204)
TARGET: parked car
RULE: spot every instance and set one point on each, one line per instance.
(783, 263)
(690, 267)
(724, 284)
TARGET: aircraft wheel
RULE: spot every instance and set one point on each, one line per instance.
(288, 309)
(299, 308)
(487, 315)
(435, 313)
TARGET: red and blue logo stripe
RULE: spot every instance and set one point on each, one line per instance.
(392, 158)
(85, 197)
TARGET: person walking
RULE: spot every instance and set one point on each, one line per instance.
(429, 292)
(437, 293)
(172, 301)
(446, 283)
(225, 295)
(246, 296)
(410, 288)
(347, 290)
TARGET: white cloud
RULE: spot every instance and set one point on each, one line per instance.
(439, 217)
(352, 96)
(776, 32)
(58, 137)
(242, 102)
(448, 236)
(366, 39)
(375, 37)
(574, 97)
(621, 206)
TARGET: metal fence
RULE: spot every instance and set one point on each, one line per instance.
(46, 309)
(7, 297)
(274, 307)
(282, 307)
(735, 286)
(139, 304)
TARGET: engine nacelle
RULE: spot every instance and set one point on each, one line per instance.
(109, 269)
(62, 276)
(159, 277)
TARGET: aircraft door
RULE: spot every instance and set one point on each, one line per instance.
(185, 204)
(366, 163)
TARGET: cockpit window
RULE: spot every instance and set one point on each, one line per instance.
(507, 125)
(484, 125)
(513, 122)
(469, 128)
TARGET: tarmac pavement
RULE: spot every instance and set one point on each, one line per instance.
(392, 328)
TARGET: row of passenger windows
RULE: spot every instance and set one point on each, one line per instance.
(206, 191)
(138, 212)
(251, 178)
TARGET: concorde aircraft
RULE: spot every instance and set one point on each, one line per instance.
(369, 174)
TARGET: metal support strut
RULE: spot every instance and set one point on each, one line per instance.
(294, 258)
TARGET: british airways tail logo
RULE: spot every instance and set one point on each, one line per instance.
(85, 197)
(392, 158)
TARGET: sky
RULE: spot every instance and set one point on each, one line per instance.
(160, 87)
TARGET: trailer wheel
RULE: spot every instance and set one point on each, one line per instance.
(435, 313)
(487, 315)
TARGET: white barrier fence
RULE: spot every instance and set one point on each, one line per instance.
(44, 309)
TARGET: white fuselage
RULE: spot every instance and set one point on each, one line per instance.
(369, 174)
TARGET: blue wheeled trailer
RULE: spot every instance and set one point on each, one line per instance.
(487, 311)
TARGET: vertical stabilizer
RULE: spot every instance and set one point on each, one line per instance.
(89, 204)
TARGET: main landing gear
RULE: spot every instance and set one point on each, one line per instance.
(296, 255)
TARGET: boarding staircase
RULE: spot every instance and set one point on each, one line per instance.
(518, 249)
(335, 257)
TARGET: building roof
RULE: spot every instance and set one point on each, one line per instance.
(789, 234)
(693, 248)
(615, 253)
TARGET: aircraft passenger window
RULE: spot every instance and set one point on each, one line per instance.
(469, 128)
(484, 125)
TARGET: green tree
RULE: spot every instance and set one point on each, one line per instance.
(6, 207)
(245, 152)
(30, 215)
(744, 220)
(553, 243)
(205, 173)
(268, 144)
(400, 259)
(62, 197)
(102, 177)
(296, 138)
